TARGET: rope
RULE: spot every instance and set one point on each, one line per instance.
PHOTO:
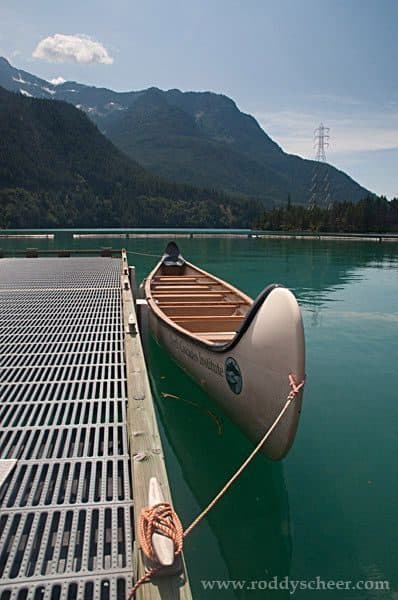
(161, 518)
(206, 411)
(142, 253)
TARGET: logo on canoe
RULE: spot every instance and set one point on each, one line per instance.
(233, 375)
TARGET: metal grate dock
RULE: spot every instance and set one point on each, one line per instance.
(66, 522)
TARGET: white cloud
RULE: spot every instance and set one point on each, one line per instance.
(57, 80)
(72, 48)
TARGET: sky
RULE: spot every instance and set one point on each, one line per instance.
(292, 64)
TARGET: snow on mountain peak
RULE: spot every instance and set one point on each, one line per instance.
(20, 80)
(46, 89)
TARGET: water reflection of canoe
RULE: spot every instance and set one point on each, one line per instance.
(239, 350)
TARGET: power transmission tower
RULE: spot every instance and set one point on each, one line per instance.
(320, 189)
(321, 142)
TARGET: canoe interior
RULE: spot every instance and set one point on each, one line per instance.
(206, 307)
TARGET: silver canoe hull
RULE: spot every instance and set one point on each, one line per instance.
(249, 380)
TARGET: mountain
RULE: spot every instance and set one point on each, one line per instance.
(197, 138)
(57, 169)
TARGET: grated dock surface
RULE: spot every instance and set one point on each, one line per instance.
(66, 523)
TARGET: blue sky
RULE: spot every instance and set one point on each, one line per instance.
(290, 63)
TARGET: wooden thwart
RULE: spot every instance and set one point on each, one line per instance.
(168, 278)
(181, 288)
(201, 325)
(200, 303)
(174, 278)
(217, 337)
(186, 310)
(210, 318)
(194, 297)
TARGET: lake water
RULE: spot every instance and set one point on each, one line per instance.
(330, 509)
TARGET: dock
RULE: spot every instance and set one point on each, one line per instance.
(79, 439)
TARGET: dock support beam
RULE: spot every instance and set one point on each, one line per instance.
(147, 459)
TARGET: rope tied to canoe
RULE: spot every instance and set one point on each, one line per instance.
(161, 518)
(142, 253)
(295, 387)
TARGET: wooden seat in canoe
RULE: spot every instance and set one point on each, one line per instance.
(219, 309)
(212, 324)
(197, 295)
(172, 278)
(184, 290)
(217, 338)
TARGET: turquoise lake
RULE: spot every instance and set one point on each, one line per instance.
(330, 508)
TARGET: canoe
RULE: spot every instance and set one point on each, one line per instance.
(240, 351)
